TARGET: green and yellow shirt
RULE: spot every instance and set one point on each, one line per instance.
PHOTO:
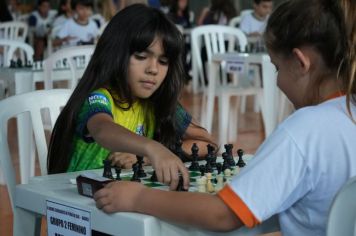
(87, 154)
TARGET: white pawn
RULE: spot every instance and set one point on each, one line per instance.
(201, 184)
(227, 172)
(209, 185)
(220, 183)
(236, 170)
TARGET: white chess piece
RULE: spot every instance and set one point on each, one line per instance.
(220, 183)
(236, 170)
(209, 185)
(201, 184)
(227, 172)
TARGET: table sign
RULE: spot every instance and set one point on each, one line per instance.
(66, 220)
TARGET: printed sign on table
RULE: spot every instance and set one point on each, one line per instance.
(66, 220)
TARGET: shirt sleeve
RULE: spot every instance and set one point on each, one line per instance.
(183, 119)
(273, 180)
(96, 102)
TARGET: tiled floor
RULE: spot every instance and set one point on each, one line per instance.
(250, 136)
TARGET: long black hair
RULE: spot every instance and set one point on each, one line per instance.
(131, 30)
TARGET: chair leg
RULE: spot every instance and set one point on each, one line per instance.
(243, 104)
(233, 120)
(224, 104)
(203, 115)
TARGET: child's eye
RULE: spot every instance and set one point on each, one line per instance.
(140, 56)
(163, 61)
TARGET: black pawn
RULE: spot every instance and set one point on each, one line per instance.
(12, 64)
(219, 168)
(141, 171)
(154, 177)
(135, 176)
(107, 169)
(240, 162)
(118, 172)
(19, 63)
(195, 165)
(180, 186)
(202, 170)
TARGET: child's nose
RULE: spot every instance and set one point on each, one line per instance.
(152, 67)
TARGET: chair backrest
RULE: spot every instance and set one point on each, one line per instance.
(33, 103)
(14, 30)
(74, 58)
(53, 35)
(342, 215)
(235, 21)
(10, 48)
(213, 38)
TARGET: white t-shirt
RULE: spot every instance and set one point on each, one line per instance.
(41, 25)
(299, 169)
(249, 24)
(82, 33)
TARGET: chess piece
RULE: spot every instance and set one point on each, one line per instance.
(195, 164)
(19, 63)
(180, 186)
(209, 185)
(220, 183)
(227, 172)
(107, 169)
(226, 164)
(202, 170)
(135, 176)
(236, 170)
(213, 156)
(154, 177)
(240, 162)
(219, 168)
(141, 171)
(118, 172)
(201, 184)
(228, 150)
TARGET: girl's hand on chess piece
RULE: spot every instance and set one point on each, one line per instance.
(125, 160)
(167, 166)
(118, 196)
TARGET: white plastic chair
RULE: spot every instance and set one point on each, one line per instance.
(213, 37)
(73, 58)
(11, 46)
(342, 215)
(35, 104)
(235, 21)
(50, 38)
(14, 30)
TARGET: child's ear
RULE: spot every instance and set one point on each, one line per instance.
(302, 60)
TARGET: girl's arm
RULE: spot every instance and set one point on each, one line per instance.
(197, 134)
(198, 209)
(119, 139)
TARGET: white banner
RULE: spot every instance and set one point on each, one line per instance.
(66, 220)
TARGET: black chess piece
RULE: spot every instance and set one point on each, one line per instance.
(118, 172)
(211, 151)
(240, 162)
(135, 176)
(228, 150)
(226, 164)
(154, 177)
(180, 186)
(219, 168)
(195, 165)
(107, 169)
(202, 170)
(141, 171)
(208, 167)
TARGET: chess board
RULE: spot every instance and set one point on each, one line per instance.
(194, 175)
